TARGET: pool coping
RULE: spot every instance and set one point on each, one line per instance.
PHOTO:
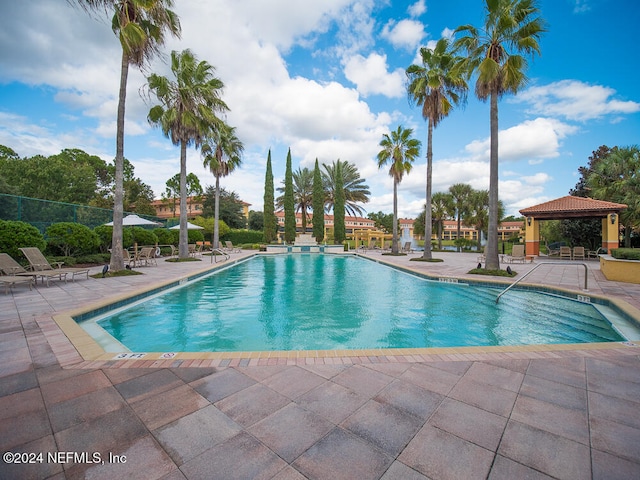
(91, 355)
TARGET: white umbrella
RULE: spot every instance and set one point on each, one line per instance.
(134, 220)
(190, 226)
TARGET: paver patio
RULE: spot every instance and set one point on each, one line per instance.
(566, 414)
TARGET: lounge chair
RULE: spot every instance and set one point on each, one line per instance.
(565, 252)
(578, 252)
(39, 263)
(230, 248)
(483, 258)
(12, 268)
(147, 255)
(10, 280)
(517, 254)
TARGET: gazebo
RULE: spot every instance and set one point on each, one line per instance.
(572, 207)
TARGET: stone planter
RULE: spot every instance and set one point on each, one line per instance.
(620, 270)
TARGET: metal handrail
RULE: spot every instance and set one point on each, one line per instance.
(220, 252)
(539, 265)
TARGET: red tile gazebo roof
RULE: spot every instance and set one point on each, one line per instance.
(572, 207)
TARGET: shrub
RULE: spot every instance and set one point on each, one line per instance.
(625, 253)
(105, 233)
(15, 234)
(239, 237)
(141, 236)
(167, 236)
(72, 239)
(195, 236)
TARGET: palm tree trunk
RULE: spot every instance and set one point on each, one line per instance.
(183, 245)
(440, 234)
(216, 214)
(117, 260)
(427, 213)
(492, 262)
(394, 239)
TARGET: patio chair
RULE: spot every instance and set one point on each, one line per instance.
(406, 248)
(578, 252)
(517, 254)
(483, 258)
(39, 263)
(230, 248)
(148, 256)
(565, 252)
(12, 268)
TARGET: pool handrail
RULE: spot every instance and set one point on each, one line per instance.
(219, 251)
(539, 265)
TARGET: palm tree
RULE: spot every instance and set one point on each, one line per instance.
(437, 85)
(302, 194)
(478, 214)
(440, 207)
(355, 190)
(140, 26)
(222, 154)
(460, 194)
(400, 150)
(512, 28)
(187, 115)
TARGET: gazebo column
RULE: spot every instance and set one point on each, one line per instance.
(532, 236)
(610, 232)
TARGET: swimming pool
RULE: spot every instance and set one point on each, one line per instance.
(329, 302)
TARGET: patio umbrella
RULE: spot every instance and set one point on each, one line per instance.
(190, 226)
(134, 220)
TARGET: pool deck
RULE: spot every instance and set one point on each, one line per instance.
(566, 412)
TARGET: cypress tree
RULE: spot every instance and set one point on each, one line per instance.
(289, 204)
(339, 232)
(270, 221)
(318, 205)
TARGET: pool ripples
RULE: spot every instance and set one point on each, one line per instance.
(311, 302)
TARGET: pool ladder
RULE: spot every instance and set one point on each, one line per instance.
(536, 267)
(218, 251)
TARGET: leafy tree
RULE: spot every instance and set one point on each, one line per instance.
(289, 203)
(229, 207)
(270, 221)
(302, 194)
(339, 203)
(222, 154)
(187, 115)
(478, 213)
(256, 220)
(616, 178)
(400, 150)
(382, 221)
(437, 85)
(511, 28)
(355, 190)
(318, 204)
(171, 195)
(460, 195)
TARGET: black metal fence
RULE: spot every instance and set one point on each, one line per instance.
(42, 213)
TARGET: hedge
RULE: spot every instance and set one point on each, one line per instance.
(239, 237)
(625, 253)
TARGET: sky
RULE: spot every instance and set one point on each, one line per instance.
(326, 79)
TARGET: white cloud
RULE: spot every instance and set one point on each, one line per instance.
(417, 9)
(371, 76)
(405, 34)
(574, 100)
(532, 139)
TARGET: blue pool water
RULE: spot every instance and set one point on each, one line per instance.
(326, 302)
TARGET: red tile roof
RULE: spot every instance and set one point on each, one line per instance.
(570, 206)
